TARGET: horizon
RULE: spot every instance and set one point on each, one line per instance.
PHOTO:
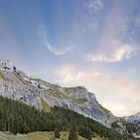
(90, 43)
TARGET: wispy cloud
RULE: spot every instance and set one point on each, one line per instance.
(117, 55)
(91, 14)
(115, 44)
(51, 48)
(96, 5)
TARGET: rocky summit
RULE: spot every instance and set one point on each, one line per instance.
(133, 118)
(17, 85)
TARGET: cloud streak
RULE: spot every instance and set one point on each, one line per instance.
(117, 55)
(52, 49)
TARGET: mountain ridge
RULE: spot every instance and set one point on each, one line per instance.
(17, 85)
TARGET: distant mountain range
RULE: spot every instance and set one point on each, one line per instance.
(17, 85)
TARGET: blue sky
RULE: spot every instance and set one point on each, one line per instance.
(93, 43)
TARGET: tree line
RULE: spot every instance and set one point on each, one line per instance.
(17, 117)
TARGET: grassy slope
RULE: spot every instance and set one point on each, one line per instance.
(3, 76)
(45, 106)
(80, 100)
(41, 136)
(58, 95)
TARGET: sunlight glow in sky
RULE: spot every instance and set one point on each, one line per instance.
(92, 43)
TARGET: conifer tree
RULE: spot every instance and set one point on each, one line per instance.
(56, 133)
(72, 132)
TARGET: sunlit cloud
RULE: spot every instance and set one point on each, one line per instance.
(114, 45)
(52, 49)
(117, 55)
(112, 92)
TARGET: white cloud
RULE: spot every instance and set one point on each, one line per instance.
(117, 55)
(118, 95)
(51, 48)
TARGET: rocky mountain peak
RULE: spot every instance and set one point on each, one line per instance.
(7, 65)
(137, 115)
(133, 118)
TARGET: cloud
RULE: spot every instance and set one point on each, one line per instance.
(117, 55)
(96, 5)
(52, 49)
(119, 95)
(115, 43)
(91, 14)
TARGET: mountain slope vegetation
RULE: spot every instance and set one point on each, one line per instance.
(17, 117)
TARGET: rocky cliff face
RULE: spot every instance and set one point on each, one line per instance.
(17, 85)
(133, 118)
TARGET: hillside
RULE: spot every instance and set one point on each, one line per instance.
(17, 85)
(17, 117)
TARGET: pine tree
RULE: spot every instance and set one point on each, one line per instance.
(86, 132)
(56, 133)
(0, 118)
(73, 133)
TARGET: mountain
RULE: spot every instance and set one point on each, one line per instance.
(133, 118)
(17, 85)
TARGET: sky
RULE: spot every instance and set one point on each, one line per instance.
(90, 43)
